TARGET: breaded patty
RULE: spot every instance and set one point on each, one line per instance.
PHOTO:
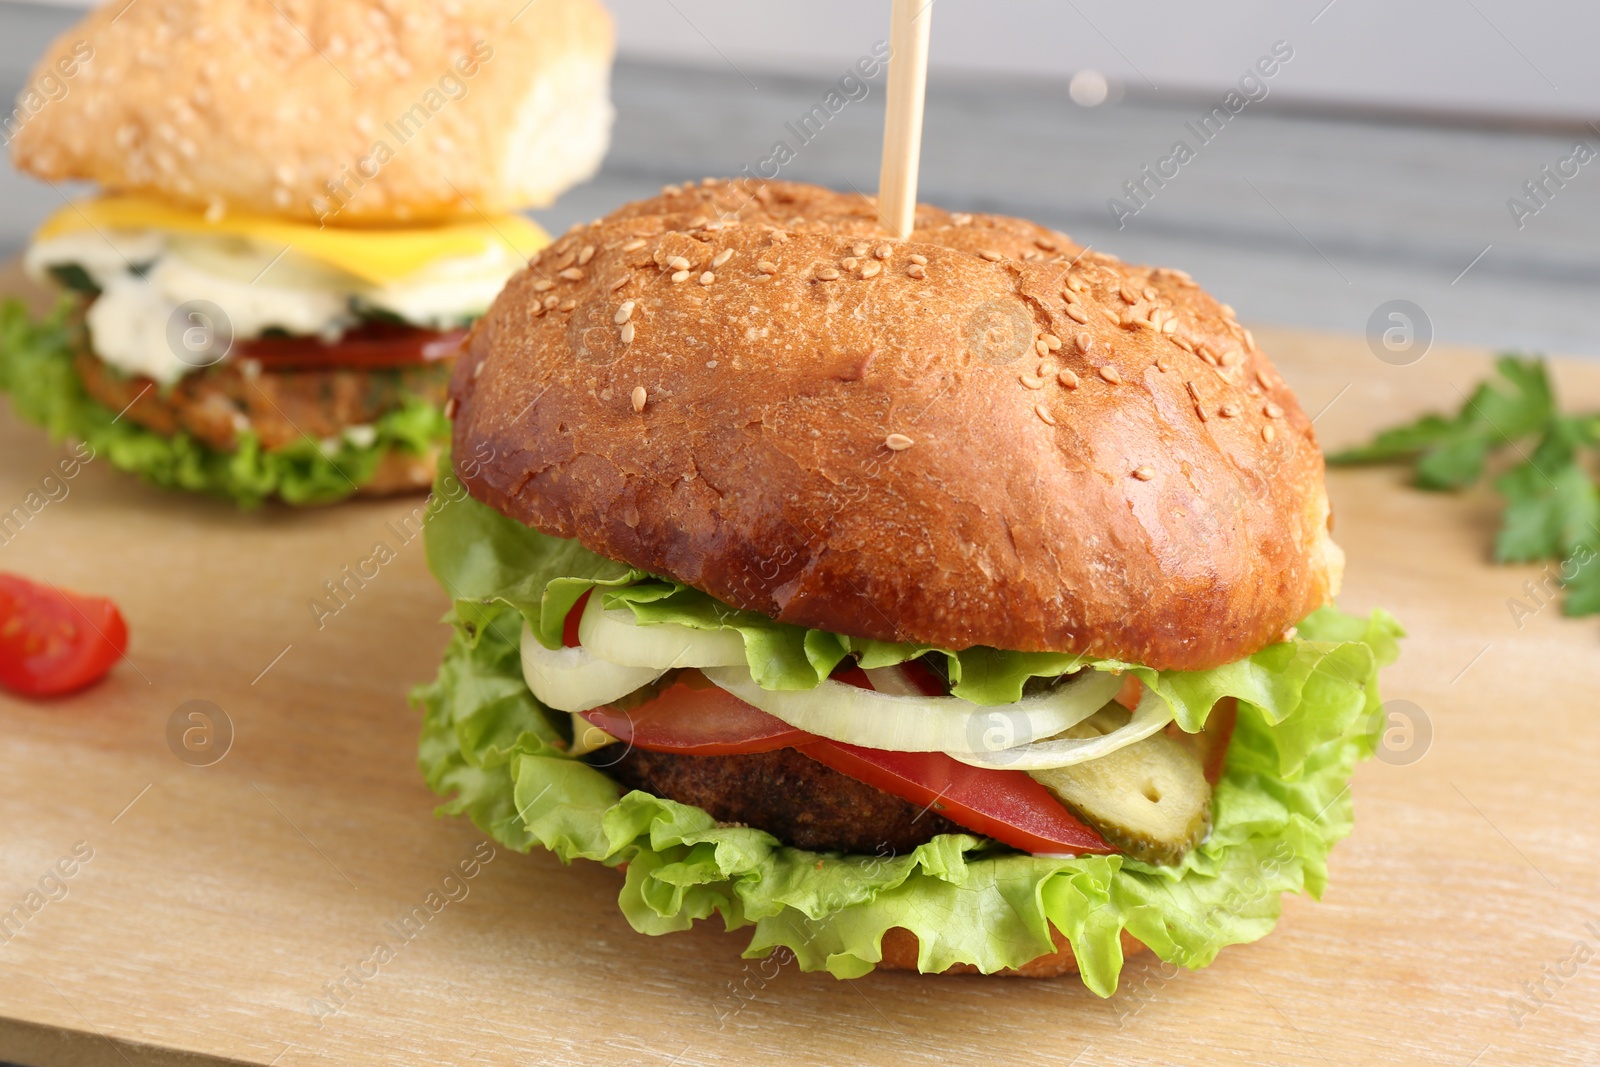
(217, 404)
(791, 796)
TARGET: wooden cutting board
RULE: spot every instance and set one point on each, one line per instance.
(220, 901)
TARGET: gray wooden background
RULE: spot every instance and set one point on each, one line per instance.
(1294, 215)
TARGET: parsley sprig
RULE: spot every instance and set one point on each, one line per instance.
(1552, 501)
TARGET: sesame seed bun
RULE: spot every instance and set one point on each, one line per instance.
(982, 435)
(413, 111)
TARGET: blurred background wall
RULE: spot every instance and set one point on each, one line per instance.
(1382, 160)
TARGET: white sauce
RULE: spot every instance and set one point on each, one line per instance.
(165, 324)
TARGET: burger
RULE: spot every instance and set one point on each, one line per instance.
(302, 206)
(960, 603)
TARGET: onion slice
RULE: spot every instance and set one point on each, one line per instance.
(1151, 716)
(905, 723)
(574, 679)
(615, 636)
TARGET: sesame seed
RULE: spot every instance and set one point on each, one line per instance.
(1205, 354)
(991, 255)
(898, 442)
(861, 248)
(1045, 243)
(543, 285)
(1052, 342)
(1272, 411)
(477, 369)
(849, 262)
(828, 274)
(635, 244)
(1040, 410)
(961, 218)
(1262, 377)
(883, 251)
(714, 225)
(568, 305)
(450, 408)
(1031, 382)
(627, 333)
(916, 271)
(1111, 316)
(707, 278)
(1110, 374)
(1040, 347)
(1194, 395)
(1046, 369)
(1070, 297)
(618, 283)
(1083, 341)
(919, 260)
(1170, 325)
(1249, 340)
(1232, 357)
(767, 267)
(722, 257)
(1229, 410)
(1077, 314)
(679, 277)
(1163, 364)
(550, 302)
(638, 396)
(1183, 343)
(1077, 284)
(871, 269)
(1227, 309)
(572, 274)
(677, 263)
(1149, 293)
(1129, 296)
(1144, 474)
(624, 312)
(1268, 432)
(668, 189)
(585, 254)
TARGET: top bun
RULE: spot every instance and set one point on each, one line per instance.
(352, 113)
(982, 435)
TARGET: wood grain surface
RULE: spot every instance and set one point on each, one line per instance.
(220, 900)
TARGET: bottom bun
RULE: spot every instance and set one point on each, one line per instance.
(900, 946)
(402, 472)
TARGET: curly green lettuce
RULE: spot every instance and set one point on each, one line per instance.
(36, 370)
(1308, 710)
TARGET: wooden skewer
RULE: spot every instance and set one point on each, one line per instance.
(902, 128)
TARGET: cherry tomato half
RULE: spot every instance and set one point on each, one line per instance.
(53, 641)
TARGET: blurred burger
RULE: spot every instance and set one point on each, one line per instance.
(304, 204)
(961, 603)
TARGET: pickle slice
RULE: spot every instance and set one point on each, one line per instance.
(1150, 799)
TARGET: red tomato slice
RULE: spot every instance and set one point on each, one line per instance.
(569, 625)
(370, 346)
(693, 717)
(54, 642)
(1008, 806)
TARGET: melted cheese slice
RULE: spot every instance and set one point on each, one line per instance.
(380, 256)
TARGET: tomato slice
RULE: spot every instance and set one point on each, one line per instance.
(370, 346)
(54, 642)
(569, 625)
(1008, 806)
(693, 717)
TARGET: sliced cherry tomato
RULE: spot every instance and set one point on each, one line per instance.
(1211, 744)
(369, 346)
(569, 625)
(694, 717)
(52, 641)
(1008, 806)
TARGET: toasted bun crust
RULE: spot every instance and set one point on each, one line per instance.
(1092, 457)
(413, 113)
(900, 947)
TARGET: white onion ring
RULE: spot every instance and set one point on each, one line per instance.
(1151, 716)
(898, 723)
(574, 679)
(615, 635)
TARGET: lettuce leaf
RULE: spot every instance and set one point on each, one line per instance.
(36, 369)
(1309, 709)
